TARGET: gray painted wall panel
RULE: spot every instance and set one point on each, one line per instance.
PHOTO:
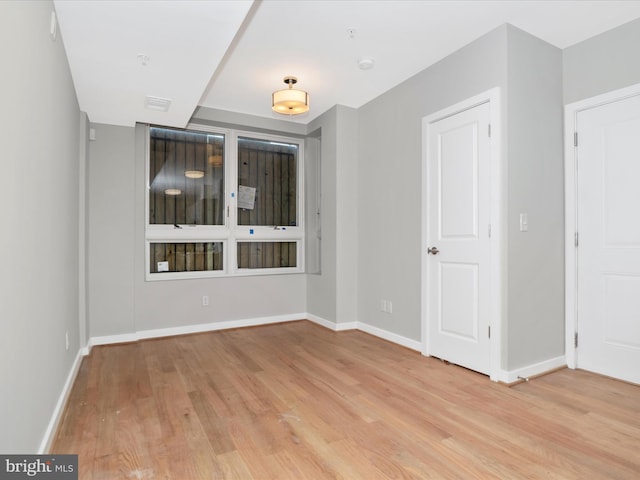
(536, 187)
(601, 64)
(40, 124)
(347, 182)
(321, 289)
(111, 230)
(529, 73)
(390, 173)
(122, 301)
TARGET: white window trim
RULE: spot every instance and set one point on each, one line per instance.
(230, 233)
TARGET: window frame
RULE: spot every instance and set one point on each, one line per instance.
(229, 233)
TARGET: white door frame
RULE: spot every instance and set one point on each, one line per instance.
(498, 208)
(570, 209)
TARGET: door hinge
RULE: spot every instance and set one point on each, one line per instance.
(575, 339)
(575, 240)
(489, 131)
(489, 331)
(575, 139)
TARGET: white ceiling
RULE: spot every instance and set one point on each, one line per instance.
(232, 55)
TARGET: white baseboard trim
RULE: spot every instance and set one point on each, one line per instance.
(187, 329)
(390, 336)
(336, 327)
(511, 376)
(52, 427)
(251, 322)
(370, 329)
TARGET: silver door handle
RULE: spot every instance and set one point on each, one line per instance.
(433, 251)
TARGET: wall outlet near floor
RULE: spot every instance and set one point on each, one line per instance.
(205, 300)
(66, 340)
(386, 306)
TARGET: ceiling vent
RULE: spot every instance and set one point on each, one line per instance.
(157, 103)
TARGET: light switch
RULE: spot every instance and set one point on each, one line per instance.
(524, 222)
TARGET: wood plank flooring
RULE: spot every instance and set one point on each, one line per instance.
(298, 401)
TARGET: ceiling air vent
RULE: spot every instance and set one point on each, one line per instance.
(157, 103)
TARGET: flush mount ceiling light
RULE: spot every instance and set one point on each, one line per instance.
(290, 101)
(194, 173)
(173, 191)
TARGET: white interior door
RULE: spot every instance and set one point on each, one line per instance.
(608, 253)
(458, 236)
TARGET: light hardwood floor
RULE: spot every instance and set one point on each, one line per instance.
(298, 401)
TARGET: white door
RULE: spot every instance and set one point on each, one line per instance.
(458, 237)
(608, 253)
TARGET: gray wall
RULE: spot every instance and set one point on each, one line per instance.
(390, 178)
(332, 294)
(321, 288)
(606, 62)
(347, 236)
(40, 124)
(111, 195)
(389, 209)
(121, 301)
(535, 313)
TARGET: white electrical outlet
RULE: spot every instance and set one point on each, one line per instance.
(386, 306)
(205, 300)
(66, 340)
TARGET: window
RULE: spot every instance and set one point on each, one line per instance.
(185, 257)
(267, 254)
(222, 202)
(186, 178)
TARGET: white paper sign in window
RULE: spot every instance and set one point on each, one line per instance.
(246, 197)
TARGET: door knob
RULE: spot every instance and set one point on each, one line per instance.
(433, 251)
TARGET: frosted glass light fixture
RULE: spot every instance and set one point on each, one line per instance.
(290, 101)
(194, 174)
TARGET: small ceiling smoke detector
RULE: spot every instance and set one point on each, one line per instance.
(366, 63)
(157, 103)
